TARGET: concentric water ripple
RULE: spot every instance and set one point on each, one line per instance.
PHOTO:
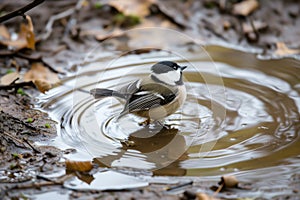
(242, 117)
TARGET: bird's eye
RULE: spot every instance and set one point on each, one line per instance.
(175, 67)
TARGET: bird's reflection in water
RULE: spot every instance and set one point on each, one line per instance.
(165, 148)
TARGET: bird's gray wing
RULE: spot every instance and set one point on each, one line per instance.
(144, 100)
(129, 89)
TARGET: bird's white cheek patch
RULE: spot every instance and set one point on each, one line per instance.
(170, 77)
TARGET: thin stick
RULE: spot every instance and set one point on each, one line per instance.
(51, 21)
(17, 85)
(254, 29)
(179, 186)
(219, 189)
(31, 146)
(13, 139)
(21, 11)
(60, 181)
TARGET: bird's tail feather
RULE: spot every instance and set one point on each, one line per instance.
(100, 93)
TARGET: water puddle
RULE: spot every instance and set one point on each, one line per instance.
(108, 180)
(241, 116)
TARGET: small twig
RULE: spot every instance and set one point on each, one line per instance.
(73, 21)
(59, 180)
(13, 139)
(219, 189)
(31, 146)
(48, 182)
(254, 29)
(51, 21)
(17, 85)
(179, 186)
(14, 81)
(21, 11)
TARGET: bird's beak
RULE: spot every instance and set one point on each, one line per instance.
(182, 68)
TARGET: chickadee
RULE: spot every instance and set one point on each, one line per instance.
(154, 97)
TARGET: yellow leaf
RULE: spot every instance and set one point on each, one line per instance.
(244, 8)
(9, 78)
(283, 50)
(80, 166)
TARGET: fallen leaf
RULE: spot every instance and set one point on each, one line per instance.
(25, 37)
(42, 77)
(283, 50)
(203, 196)
(18, 44)
(244, 8)
(4, 34)
(9, 78)
(42, 86)
(139, 8)
(27, 33)
(80, 166)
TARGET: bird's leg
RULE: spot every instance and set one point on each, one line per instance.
(146, 122)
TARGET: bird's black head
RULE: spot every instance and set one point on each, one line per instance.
(167, 72)
(166, 66)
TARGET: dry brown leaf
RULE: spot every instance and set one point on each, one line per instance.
(27, 33)
(4, 34)
(9, 78)
(42, 86)
(18, 44)
(39, 72)
(42, 77)
(80, 166)
(203, 196)
(139, 8)
(244, 8)
(25, 37)
(283, 50)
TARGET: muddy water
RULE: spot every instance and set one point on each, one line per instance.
(241, 116)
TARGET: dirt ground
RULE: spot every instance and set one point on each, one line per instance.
(65, 30)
